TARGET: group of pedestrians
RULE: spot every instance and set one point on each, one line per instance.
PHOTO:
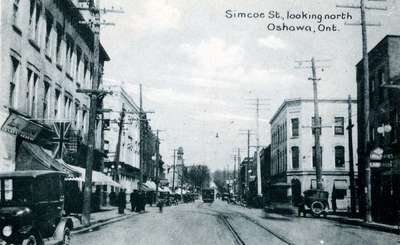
(138, 201)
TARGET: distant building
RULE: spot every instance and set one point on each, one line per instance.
(265, 161)
(292, 149)
(128, 167)
(384, 115)
(47, 54)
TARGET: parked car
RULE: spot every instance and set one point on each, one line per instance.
(31, 208)
(314, 202)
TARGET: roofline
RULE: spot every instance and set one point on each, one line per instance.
(287, 101)
(75, 10)
(379, 43)
(125, 94)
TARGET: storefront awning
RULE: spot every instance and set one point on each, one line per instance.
(34, 157)
(149, 186)
(281, 185)
(98, 178)
(340, 185)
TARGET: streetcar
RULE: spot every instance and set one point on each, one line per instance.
(207, 195)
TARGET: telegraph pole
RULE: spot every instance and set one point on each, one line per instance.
(87, 192)
(94, 93)
(317, 127)
(173, 173)
(157, 162)
(351, 160)
(259, 191)
(365, 151)
(140, 137)
(118, 150)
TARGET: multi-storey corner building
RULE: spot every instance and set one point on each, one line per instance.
(292, 149)
(128, 166)
(46, 56)
(384, 127)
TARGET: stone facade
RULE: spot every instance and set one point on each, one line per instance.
(292, 147)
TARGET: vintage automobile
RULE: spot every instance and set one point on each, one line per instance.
(31, 208)
(314, 202)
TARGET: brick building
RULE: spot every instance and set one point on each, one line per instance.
(384, 69)
(46, 55)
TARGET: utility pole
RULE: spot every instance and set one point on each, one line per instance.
(246, 176)
(259, 192)
(87, 192)
(157, 162)
(351, 160)
(118, 150)
(258, 165)
(141, 137)
(317, 127)
(95, 94)
(173, 173)
(365, 151)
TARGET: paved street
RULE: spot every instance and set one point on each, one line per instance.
(221, 223)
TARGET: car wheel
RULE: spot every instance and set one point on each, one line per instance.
(67, 236)
(31, 240)
(317, 208)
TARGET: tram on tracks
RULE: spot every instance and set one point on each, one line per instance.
(207, 195)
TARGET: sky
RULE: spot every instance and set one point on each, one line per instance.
(201, 71)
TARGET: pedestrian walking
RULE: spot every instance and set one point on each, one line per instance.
(112, 197)
(133, 200)
(334, 206)
(121, 201)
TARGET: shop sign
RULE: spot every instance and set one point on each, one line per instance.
(23, 127)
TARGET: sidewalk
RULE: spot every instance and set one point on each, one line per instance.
(106, 215)
(360, 222)
(341, 217)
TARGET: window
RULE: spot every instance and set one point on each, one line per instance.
(339, 156)
(85, 72)
(15, 15)
(339, 125)
(67, 107)
(314, 126)
(57, 103)
(34, 20)
(14, 81)
(76, 114)
(31, 92)
(77, 65)
(46, 100)
(84, 119)
(58, 45)
(314, 157)
(295, 157)
(68, 54)
(295, 127)
(48, 40)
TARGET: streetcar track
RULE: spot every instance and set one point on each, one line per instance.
(232, 230)
(238, 239)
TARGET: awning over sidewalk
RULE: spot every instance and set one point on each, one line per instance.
(34, 157)
(166, 189)
(149, 186)
(98, 178)
(340, 185)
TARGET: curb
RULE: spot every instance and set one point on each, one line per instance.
(373, 226)
(100, 223)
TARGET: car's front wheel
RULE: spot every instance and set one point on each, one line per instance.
(31, 240)
(67, 236)
(317, 208)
